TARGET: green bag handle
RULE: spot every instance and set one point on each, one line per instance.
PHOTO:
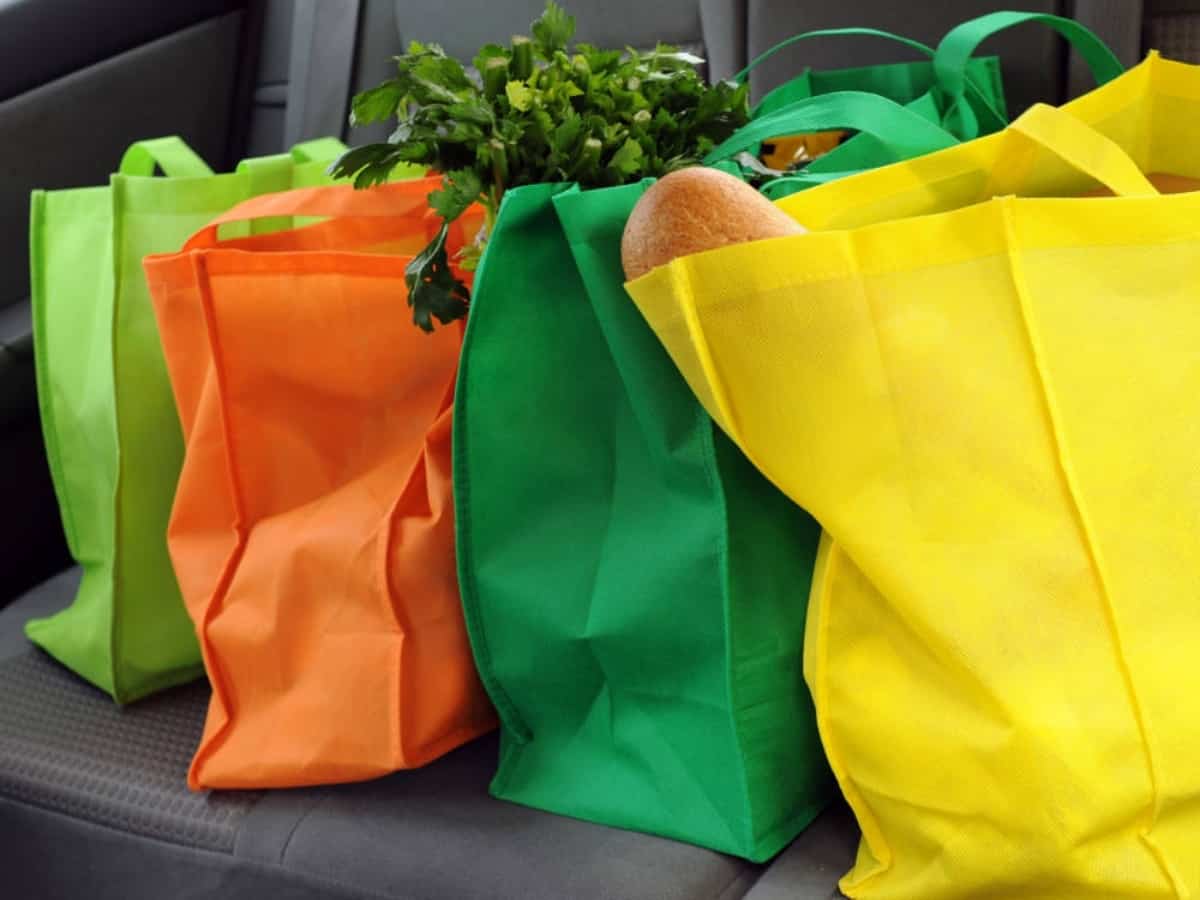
(925, 50)
(805, 179)
(898, 128)
(831, 32)
(318, 150)
(170, 154)
(268, 174)
(957, 47)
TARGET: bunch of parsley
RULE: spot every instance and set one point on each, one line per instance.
(533, 112)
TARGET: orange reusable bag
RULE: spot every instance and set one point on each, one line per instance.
(312, 532)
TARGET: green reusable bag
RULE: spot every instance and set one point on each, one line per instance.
(962, 93)
(911, 84)
(108, 416)
(902, 83)
(635, 591)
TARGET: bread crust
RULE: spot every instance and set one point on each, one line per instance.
(697, 209)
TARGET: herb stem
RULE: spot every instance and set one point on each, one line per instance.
(491, 208)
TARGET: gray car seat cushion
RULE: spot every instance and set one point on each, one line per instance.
(49, 856)
(105, 787)
(435, 833)
(1174, 29)
(814, 862)
(66, 746)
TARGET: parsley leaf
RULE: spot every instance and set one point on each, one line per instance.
(553, 30)
(433, 291)
(520, 97)
(460, 189)
(628, 158)
(376, 105)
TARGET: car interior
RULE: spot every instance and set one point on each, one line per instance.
(93, 796)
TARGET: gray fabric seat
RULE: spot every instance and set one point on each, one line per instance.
(103, 788)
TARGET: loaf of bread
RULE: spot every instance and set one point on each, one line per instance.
(697, 209)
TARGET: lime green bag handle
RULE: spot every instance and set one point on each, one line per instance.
(318, 150)
(959, 45)
(902, 130)
(170, 154)
(924, 49)
(270, 174)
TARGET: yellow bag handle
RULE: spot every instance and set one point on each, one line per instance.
(1085, 149)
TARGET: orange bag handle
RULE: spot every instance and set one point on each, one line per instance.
(397, 200)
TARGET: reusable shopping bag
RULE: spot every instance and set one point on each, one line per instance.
(634, 591)
(984, 386)
(313, 528)
(911, 84)
(958, 91)
(653, 591)
(111, 432)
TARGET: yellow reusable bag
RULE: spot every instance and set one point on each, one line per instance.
(993, 408)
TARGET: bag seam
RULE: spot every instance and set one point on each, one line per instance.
(1091, 548)
(116, 644)
(511, 720)
(749, 817)
(776, 836)
(49, 416)
(209, 744)
(867, 820)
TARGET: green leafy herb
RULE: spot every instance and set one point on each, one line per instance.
(460, 189)
(553, 30)
(520, 97)
(538, 110)
(433, 291)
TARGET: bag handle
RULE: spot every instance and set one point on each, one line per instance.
(170, 154)
(900, 129)
(318, 150)
(274, 173)
(268, 174)
(801, 180)
(1064, 135)
(398, 200)
(923, 49)
(1084, 149)
(959, 45)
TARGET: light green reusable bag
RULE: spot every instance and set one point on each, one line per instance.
(108, 416)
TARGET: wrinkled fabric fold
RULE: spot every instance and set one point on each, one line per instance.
(313, 528)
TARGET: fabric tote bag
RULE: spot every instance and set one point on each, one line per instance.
(634, 590)
(990, 405)
(912, 84)
(111, 432)
(955, 89)
(313, 529)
